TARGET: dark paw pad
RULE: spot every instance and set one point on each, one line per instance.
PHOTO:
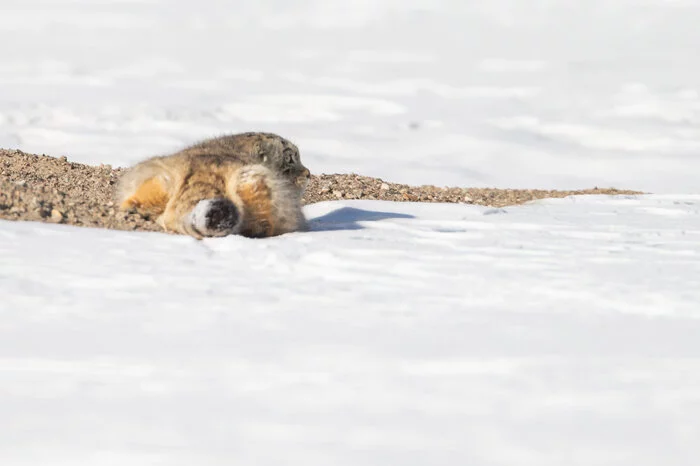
(215, 217)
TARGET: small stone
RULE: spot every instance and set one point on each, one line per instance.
(56, 216)
(468, 199)
(325, 190)
(63, 158)
(21, 182)
(384, 187)
(338, 194)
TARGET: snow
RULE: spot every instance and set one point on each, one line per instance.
(562, 332)
(553, 94)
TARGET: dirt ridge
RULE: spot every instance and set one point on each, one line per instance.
(53, 189)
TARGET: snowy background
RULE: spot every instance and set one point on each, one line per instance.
(507, 93)
(563, 332)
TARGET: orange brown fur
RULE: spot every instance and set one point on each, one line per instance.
(150, 198)
(257, 197)
(268, 203)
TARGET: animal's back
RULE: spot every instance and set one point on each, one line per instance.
(277, 153)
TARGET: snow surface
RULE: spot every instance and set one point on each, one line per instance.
(508, 93)
(563, 332)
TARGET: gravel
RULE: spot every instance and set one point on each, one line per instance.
(49, 189)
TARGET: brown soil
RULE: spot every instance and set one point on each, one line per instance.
(43, 188)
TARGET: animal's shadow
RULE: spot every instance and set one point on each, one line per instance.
(347, 218)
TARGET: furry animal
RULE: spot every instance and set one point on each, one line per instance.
(271, 150)
(206, 192)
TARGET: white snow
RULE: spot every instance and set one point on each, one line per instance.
(562, 332)
(547, 94)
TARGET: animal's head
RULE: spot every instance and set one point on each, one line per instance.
(283, 157)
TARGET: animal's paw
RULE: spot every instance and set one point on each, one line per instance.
(214, 217)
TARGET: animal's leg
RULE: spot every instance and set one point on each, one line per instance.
(255, 189)
(149, 197)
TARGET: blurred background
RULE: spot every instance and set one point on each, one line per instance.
(505, 93)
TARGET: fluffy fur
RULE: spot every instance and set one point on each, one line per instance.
(205, 193)
(271, 150)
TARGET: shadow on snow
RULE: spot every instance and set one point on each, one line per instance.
(348, 218)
